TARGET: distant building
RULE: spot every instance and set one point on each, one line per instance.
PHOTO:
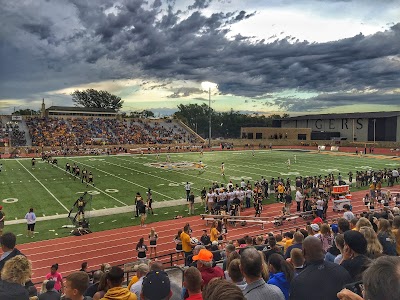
(77, 112)
(360, 127)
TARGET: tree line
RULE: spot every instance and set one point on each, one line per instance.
(223, 124)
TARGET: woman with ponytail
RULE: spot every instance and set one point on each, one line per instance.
(281, 273)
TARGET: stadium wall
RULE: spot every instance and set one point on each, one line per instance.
(272, 133)
(360, 128)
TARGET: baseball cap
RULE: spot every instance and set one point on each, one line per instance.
(1, 207)
(335, 228)
(156, 285)
(356, 241)
(203, 255)
(315, 227)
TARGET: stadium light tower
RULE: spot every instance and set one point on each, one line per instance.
(208, 86)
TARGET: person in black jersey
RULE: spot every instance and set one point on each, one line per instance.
(77, 172)
(149, 201)
(33, 162)
(84, 176)
(90, 179)
(68, 167)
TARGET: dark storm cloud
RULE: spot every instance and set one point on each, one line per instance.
(199, 4)
(43, 31)
(184, 92)
(99, 40)
(338, 99)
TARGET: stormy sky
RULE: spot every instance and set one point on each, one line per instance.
(300, 56)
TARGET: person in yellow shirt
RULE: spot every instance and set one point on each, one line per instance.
(281, 191)
(187, 244)
(214, 233)
(288, 239)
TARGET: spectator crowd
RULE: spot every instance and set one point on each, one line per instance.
(99, 131)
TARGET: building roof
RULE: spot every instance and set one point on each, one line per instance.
(81, 109)
(362, 115)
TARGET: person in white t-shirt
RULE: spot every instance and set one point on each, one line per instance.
(348, 215)
(30, 221)
(210, 201)
(299, 197)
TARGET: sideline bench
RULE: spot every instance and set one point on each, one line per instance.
(228, 218)
(261, 222)
(278, 221)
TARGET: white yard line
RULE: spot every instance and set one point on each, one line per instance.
(121, 178)
(105, 193)
(43, 186)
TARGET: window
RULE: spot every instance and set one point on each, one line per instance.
(250, 135)
(302, 136)
(258, 135)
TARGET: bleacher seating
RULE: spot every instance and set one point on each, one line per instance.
(96, 131)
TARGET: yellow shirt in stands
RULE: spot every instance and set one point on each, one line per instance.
(133, 281)
(288, 243)
(214, 234)
(185, 238)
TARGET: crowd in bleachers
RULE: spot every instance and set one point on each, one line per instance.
(96, 131)
(10, 130)
(341, 259)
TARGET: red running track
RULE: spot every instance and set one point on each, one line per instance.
(117, 246)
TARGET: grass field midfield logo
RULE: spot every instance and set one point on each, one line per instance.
(183, 165)
(364, 168)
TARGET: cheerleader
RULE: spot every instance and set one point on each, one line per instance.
(178, 245)
(153, 236)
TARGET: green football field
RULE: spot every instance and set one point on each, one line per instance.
(50, 190)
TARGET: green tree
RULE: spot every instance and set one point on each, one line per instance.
(223, 124)
(141, 114)
(26, 112)
(96, 99)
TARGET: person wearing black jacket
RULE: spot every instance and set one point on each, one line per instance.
(319, 279)
(7, 242)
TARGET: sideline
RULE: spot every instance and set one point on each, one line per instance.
(109, 211)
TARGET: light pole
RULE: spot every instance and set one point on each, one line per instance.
(207, 86)
(374, 130)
